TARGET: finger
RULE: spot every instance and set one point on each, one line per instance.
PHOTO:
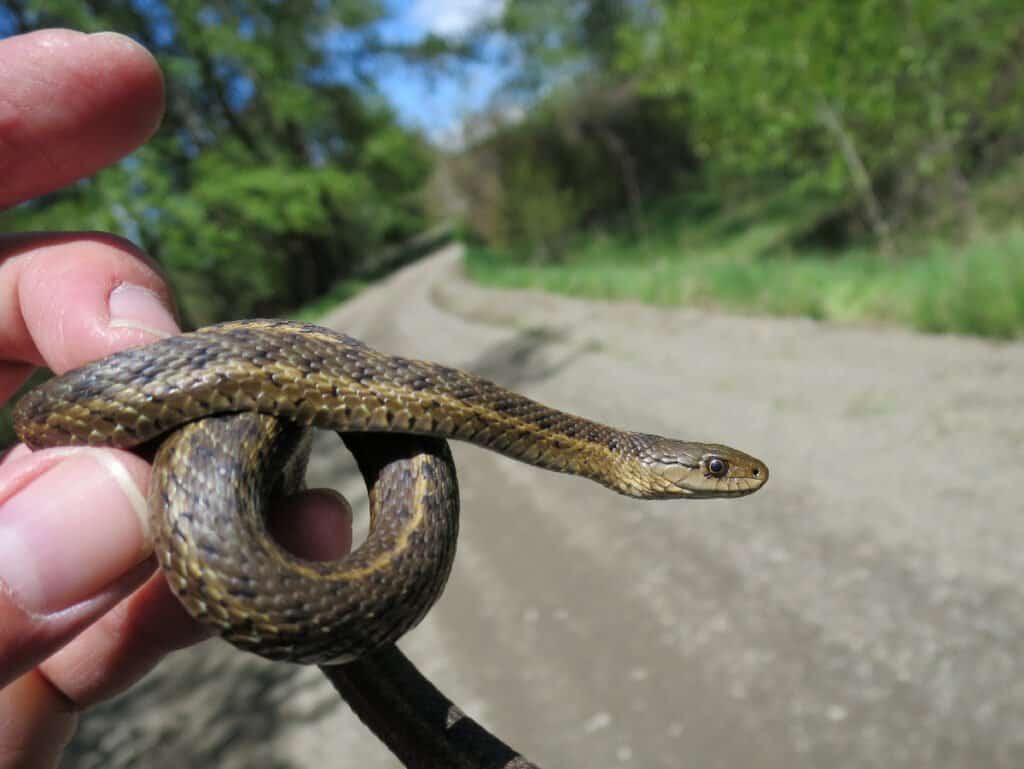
(314, 524)
(37, 723)
(129, 641)
(124, 645)
(110, 297)
(74, 541)
(70, 104)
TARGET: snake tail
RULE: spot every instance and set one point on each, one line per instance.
(421, 726)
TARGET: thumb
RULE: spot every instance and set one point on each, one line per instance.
(73, 542)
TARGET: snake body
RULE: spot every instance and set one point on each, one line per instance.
(232, 404)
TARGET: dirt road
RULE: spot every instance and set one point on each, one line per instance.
(864, 610)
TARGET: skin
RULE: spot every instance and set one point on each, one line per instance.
(82, 614)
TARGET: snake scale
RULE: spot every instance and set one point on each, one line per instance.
(231, 405)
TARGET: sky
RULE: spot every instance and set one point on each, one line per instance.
(450, 17)
(438, 106)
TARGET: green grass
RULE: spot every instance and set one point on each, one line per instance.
(977, 288)
(341, 291)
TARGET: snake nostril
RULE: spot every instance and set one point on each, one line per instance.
(755, 472)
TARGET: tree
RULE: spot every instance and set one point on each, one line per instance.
(279, 167)
(874, 102)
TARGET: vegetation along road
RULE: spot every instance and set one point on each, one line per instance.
(863, 610)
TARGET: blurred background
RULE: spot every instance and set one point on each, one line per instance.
(851, 161)
(709, 181)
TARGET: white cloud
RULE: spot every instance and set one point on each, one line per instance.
(451, 18)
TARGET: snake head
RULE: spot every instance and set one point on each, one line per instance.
(673, 468)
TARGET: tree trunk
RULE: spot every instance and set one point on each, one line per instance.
(859, 174)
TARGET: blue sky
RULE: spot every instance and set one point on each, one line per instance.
(438, 106)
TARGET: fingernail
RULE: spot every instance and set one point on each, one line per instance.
(136, 307)
(71, 532)
(116, 38)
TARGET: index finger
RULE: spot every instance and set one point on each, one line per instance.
(70, 104)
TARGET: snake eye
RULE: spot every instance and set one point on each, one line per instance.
(717, 466)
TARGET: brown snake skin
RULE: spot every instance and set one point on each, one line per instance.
(218, 468)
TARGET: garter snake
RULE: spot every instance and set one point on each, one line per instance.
(216, 465)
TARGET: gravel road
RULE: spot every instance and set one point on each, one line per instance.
(863, 610)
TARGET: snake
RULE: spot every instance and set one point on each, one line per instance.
(228, 410)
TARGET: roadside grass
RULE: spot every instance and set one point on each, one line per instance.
(340, 292)
(976, 288)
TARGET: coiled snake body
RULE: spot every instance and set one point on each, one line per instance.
(235, 401)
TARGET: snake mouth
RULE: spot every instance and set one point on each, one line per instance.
(740, 487)
(716, 488)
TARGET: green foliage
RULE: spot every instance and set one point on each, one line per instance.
(561, 38)
(539, 212)
(803, 93)
(880, 116)
(590, 148)
(582, 158)
(278, 170)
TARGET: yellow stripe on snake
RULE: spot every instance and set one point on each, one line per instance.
(232, 405)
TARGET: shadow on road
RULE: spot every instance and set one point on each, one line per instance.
(207, 707)
(527, 357)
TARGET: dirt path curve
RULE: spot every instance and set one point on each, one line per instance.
(863, 610)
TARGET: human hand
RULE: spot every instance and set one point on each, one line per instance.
(81, 614)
